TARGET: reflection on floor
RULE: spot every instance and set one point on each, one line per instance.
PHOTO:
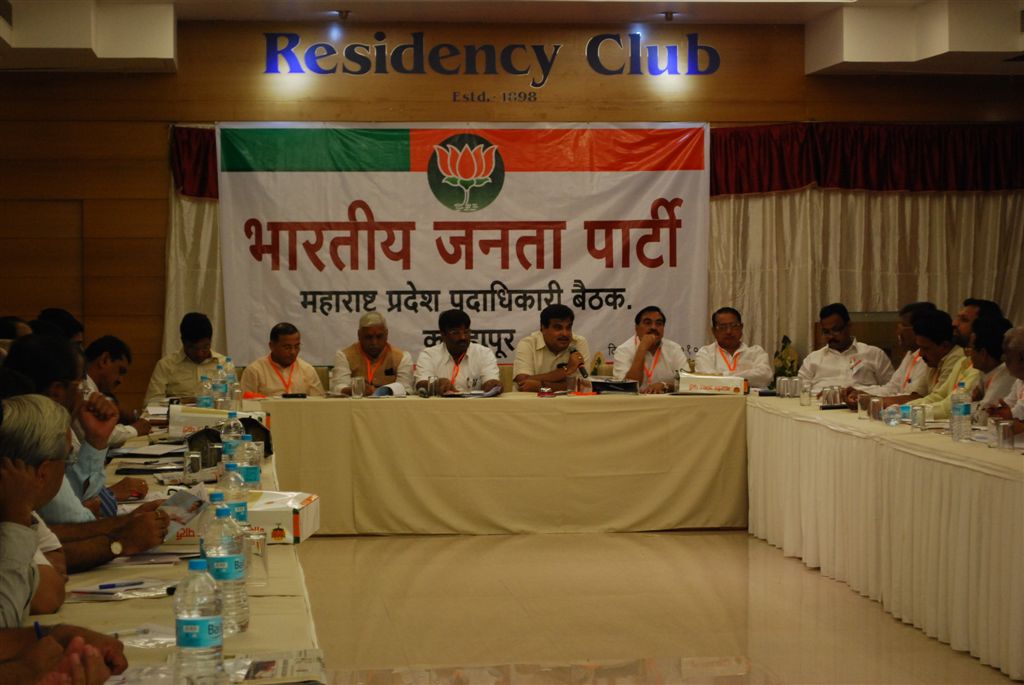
(698, 607)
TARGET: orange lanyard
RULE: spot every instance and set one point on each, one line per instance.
(370, 371)
(906, 379)
(650, 372)
(735, 359)
(291, 370)
(455, 373)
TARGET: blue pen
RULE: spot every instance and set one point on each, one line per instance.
(127, 583)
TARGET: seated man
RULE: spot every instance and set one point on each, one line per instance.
(52, 367)
(729, 355)
(647, 357)
(70, 327)
(274, 375)
(949, 365)
(911, 378)
(35, 433)
(177, 375)
(971, 310)
(371, 357)
(550, 357)
(843, 361)
(1012, 406)
(107, 360)
(458, 364)
(986, 351)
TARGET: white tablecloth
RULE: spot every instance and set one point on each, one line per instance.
(516, 463)
(932, 529)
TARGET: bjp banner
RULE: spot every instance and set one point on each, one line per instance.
(321, 223)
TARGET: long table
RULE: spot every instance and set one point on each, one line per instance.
(932, 529)
(515, 463)
(281, 618)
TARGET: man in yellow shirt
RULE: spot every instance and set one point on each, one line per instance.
(177, 374)
(282, 372)
(933, 333)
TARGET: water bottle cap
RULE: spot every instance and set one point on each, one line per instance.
(232, 414)
(223, 512)
(246, 438)
(204, 378)
(960, 384)
(220, 366)
(227, 359)
(197, 564)
(216, 497)
(231, 466)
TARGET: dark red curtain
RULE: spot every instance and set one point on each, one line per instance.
(763, 159)
(194, 161)
(911, 157)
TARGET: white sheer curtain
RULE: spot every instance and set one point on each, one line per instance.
(193, 269)
(779, 257)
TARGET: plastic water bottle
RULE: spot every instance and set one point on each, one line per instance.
(236, 493)
(230, 435)
(249, 464)
(205, 396)
(234, 388)
(960, 414)
(198, 624)
(204, 519)
(220, 387)
(225, 554)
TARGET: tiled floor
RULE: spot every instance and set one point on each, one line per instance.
(697, 607)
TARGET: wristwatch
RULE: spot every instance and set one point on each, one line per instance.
(116, 548)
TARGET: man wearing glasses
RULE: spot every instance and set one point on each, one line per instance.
(843, 361)
(282, 372)
(648, 357)
(729, 355)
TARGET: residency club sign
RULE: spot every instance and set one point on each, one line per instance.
(606, 54)
(321, 223)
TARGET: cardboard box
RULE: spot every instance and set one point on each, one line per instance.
(693, 384)
(287, 517)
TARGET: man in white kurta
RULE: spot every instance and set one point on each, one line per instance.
(647, 357)
(912, 377)
(458, 364)
(282, 372)
(1012, 406)
(843, 361)
(729, 355)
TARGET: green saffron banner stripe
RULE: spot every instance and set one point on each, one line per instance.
(314, 149)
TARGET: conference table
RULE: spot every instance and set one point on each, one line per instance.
(930, 528)
(281, 618)
(516, 463)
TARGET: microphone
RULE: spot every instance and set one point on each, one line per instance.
(583, 366)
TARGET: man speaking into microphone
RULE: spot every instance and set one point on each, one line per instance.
(553, 356)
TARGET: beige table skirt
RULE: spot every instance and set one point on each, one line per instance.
(516, 463)
(932, 529)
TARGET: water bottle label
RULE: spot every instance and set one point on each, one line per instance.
(251, 474)
(205, 401)
(229, 449)
(220, 388)
(239, 511)
(200, 633)
(962, 409)
(231, 567)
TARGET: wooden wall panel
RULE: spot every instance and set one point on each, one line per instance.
(30, 218)
(63, 179)
(125, 218)
(116, 296)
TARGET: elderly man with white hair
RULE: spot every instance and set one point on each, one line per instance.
(371, 357)
(1012, 406)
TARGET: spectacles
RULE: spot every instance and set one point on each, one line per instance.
(728, 326)
(835, 329)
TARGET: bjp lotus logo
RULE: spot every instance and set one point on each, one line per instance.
(466, 172)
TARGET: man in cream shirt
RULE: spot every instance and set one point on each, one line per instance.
(987, 334)
(282, 372)
(843, 361)
(177, 375)
(550, 357)
(729, 355)
(647, 357)
(371, 357)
